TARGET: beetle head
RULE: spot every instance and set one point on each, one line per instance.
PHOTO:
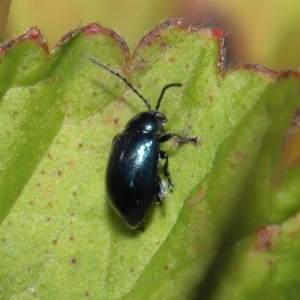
(150, 121)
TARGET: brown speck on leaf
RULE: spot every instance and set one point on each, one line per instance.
(87, 294)
(193, 201)
(80, 145)
(132, 270)
(138, 86)
(72, 217)
(270, 263)
(293, 234)
(71, 163)
(34, 294)
(233, 159)
(239, 155)
(57, 79)
(71, 238)
(73, 261)
(59, 173)
(265, 236)
(43, 172)
(290, 146)
(54, 241)
(38, 184)
(166, 267)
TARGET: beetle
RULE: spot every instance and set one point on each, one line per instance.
(132, 180)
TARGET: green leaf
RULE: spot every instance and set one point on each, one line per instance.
(58, 115)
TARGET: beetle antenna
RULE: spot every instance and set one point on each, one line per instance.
(163, 92)
(122, 78)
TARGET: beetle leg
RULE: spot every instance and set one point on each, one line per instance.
(184, 139)
(164, 155)
(161, 191)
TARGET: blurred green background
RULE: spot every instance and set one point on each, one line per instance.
(263, 32)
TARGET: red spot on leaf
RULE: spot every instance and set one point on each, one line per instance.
(177, 23)
(93, 28)
(218, 32)
(33, 33)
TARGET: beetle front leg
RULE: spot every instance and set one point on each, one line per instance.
(164, 155)
(183, 139)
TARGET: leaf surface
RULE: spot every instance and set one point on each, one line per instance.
(58, 115)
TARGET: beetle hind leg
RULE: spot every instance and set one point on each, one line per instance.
(160, 191)
(164, 155)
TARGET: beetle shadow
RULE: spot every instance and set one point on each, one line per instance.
(117, 224)
(112, 95)
(158, 210)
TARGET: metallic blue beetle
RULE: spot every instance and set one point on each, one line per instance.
(132, 178)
